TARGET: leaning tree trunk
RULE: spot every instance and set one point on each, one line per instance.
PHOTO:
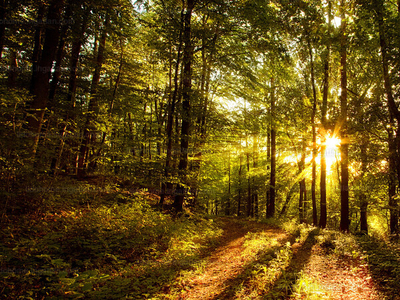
(186, 97)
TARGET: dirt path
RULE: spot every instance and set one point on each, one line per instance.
(343, 279)
(336, 278)
(226, 262)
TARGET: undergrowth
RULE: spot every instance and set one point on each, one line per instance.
(121, 247)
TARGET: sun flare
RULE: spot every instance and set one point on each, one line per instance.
(332, 142)
(331, 152)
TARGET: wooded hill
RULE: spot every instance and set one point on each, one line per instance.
(258, 108)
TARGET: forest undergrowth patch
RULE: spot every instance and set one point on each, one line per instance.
(118, 244)
(112, 248)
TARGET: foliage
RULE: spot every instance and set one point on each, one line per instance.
(125, 247)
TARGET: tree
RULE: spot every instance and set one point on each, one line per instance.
(43, 71)
(344, 150)
(186, 99)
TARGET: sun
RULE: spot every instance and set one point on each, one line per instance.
(332, 142)
(331, 152)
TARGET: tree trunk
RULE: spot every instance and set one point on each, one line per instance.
(344, 146)
(240, 186)
(363, 195)
(314, 141)
(272, 183)
(228, 201)
(59, 57)
(255, 185)
(12, 72)
(3, 11)
(394, 114)
(287, 201)
(41, 84)
(171, 112)
(37, 49)
(72, 85)
(267, 192)
(324, 108)
(303, 192)
(89, 130)
(393, 205)
(249, 208)
(186, 97)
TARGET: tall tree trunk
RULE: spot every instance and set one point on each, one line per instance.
(59, 56)
(344, 146)
(89, 131)
(113, 97)
(272, 183)
(41, 85)
(324, 108)
(37, 49)
(314, 141)
(394, 114)
(186, 97)
(171, 113)
(70, 116)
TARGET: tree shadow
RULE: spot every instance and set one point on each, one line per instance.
(283, 286)
(383, 264)
(297, 263)
(160, 277)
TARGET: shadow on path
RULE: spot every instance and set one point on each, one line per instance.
(384, 265)
(283, 287)
(299, 260)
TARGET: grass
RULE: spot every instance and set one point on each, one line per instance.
(309, 289)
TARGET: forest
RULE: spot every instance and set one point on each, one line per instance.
(145, 145)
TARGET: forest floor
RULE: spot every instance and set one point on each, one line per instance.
(312, 272)
(114, 245)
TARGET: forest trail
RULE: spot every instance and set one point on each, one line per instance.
(226, 262)
(227, 268)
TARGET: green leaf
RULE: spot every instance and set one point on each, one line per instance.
(87, 287)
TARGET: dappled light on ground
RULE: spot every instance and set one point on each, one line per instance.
(260, 262)
(226, 263)
(339, 278)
